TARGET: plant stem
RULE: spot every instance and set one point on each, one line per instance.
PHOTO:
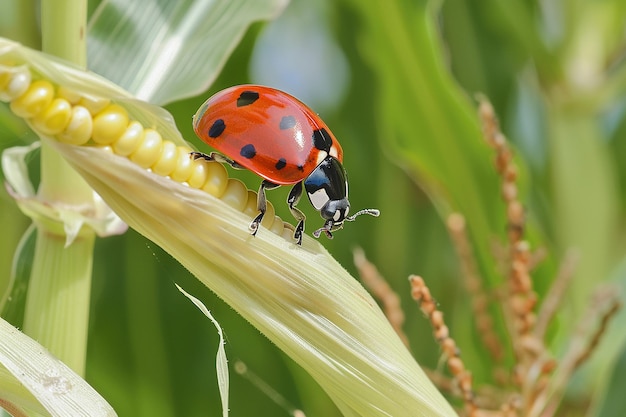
(63, 26)
(57, 305)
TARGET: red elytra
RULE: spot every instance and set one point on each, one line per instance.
(266, 131)
(279, 138)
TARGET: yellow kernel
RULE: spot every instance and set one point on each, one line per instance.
(167, 160)
(109, 124)
(150, 149)
(78, 130)
(94, 104)
(217, 179)
(198, 174)
(130, 139)
(268, 219)
(36, 98)
(277, 226)
(287, 233)
(17, 84)
(236, 194)
(250, 209)
(106, 148)
(70, 95)
(184, 165)
(55, 118)
(5, 77)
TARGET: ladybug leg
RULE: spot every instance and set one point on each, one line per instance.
(327, 229)
(261, 204)
(217, 157)
(292, 200)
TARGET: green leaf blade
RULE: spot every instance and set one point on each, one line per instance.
(165, 51)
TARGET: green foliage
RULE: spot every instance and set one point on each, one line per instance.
(555, 91)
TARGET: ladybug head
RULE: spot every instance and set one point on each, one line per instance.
(327, 189)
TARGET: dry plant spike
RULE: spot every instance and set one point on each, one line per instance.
(11, 408)
(381, 290)
(487, 398)
(473, 284)
(604, 305)
(538, 256)
(505, 168)
(534, 364)
(462, 377)
(555, 295)
(614, 305)
(521, 299)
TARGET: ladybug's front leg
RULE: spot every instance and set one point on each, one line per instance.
(292, 200)
(217, 157)
(261, 204)
(328, 228)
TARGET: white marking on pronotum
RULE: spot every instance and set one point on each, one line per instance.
(319, 198)
(320, 157)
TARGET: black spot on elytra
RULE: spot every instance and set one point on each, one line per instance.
(282, 162)
(217, 128)
(246, 98)
(287, 122)
(300, 167)
(322, 140)
(248, 151)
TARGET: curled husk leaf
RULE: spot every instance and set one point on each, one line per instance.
(299, 297)
(97, 215)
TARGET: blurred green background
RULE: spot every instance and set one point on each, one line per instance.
(396, 82)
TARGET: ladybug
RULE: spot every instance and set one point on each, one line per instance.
(283, 141)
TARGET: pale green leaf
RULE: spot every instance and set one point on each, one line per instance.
(32, 379)
(15, 168)
(163, 50)
(221, 363)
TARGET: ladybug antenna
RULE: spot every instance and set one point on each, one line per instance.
(331, 226)
(371, 212)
